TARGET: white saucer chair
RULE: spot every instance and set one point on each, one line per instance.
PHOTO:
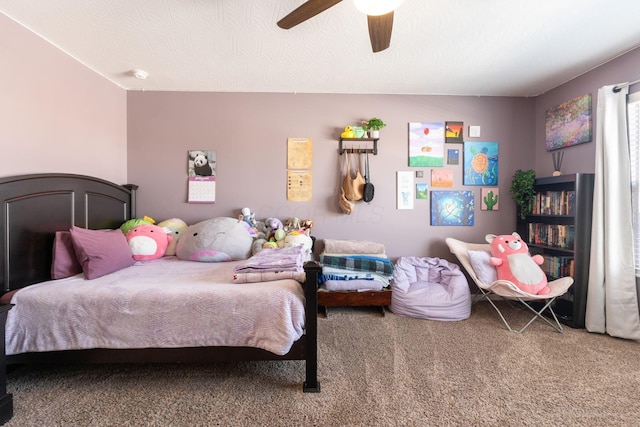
(505, 289)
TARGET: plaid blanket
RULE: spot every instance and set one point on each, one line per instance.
(358, 263)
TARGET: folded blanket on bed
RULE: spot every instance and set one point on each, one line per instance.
(269, 276)
(332, 246)
(358, 263)
(277, 259)
(352, 285)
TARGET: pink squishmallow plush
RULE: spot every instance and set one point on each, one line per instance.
(510, 256)
(148, 241)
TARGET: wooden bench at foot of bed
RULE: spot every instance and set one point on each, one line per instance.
(380, 299)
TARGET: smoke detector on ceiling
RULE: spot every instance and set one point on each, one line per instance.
(139, 74)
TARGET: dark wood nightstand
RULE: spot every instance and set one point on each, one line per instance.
(6, 399)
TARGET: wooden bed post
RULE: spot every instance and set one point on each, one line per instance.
(312, 270)
(132, 206)
(6, 399)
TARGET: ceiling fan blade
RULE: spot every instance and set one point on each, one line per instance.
(307, 10)
(380, 31)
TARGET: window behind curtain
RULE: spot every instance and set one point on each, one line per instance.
(634, 151)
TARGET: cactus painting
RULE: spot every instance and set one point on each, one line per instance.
(490, 198)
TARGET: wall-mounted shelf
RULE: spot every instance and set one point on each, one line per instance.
(359, 150)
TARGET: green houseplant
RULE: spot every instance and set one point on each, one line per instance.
(373, 125)
(522, 190)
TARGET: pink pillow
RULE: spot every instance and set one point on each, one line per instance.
(64, 262)
(101, 252)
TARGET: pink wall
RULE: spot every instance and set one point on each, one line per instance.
(249, 132)
(56, 115)
(581, 157)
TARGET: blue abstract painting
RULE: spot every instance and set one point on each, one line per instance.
(452, 208)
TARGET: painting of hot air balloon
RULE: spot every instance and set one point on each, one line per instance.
(426, 144)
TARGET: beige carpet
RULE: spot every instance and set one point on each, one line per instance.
(374, 370)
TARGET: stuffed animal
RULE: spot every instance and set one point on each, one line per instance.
(510, 256)
(298, 238)
(177, 227)
(247, 216)
(292, 224)
(279, 237)
(306, 225)
(260, 237)
(271, 244)
(272, 225)
(148, 241)
(348, 132)
(215, 240)
(134, 222)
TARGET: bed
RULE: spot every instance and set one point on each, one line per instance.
(37, 206)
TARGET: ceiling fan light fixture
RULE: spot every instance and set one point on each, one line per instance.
(377, 7)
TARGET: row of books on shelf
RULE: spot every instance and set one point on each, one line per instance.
(555, 203)
(557, 266)
(556, 235)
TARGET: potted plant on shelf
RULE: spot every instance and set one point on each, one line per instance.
(522, 190)
(374, 125)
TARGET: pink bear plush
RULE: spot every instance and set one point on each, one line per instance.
(510, 256)
(148, 241)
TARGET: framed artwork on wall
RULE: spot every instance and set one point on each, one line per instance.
(421, 191)
(452, 208)
(453, 132)
(490, 200)
(426, 144)
(453, 156)
(480, 163)
(404, 190)
(569, 123)
(442, 177)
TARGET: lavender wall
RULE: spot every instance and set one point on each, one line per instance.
(581, 158)
(56, 115)
(249, 133)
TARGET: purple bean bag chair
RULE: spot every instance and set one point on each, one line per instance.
(430, 288)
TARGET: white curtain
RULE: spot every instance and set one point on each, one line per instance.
(612, 303)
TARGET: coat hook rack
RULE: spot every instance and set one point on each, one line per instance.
(359, 150)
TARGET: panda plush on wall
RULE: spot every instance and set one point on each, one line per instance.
(201, 165)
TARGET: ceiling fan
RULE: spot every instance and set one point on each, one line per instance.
(379, 17)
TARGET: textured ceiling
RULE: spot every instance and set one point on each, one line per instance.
(452, 47)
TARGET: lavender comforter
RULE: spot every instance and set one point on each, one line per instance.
(160, 303)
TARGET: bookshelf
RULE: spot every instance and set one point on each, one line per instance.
(559, 229)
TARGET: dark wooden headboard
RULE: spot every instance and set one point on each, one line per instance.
(35, 206)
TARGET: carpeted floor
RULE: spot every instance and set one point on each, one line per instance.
(374, 370)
